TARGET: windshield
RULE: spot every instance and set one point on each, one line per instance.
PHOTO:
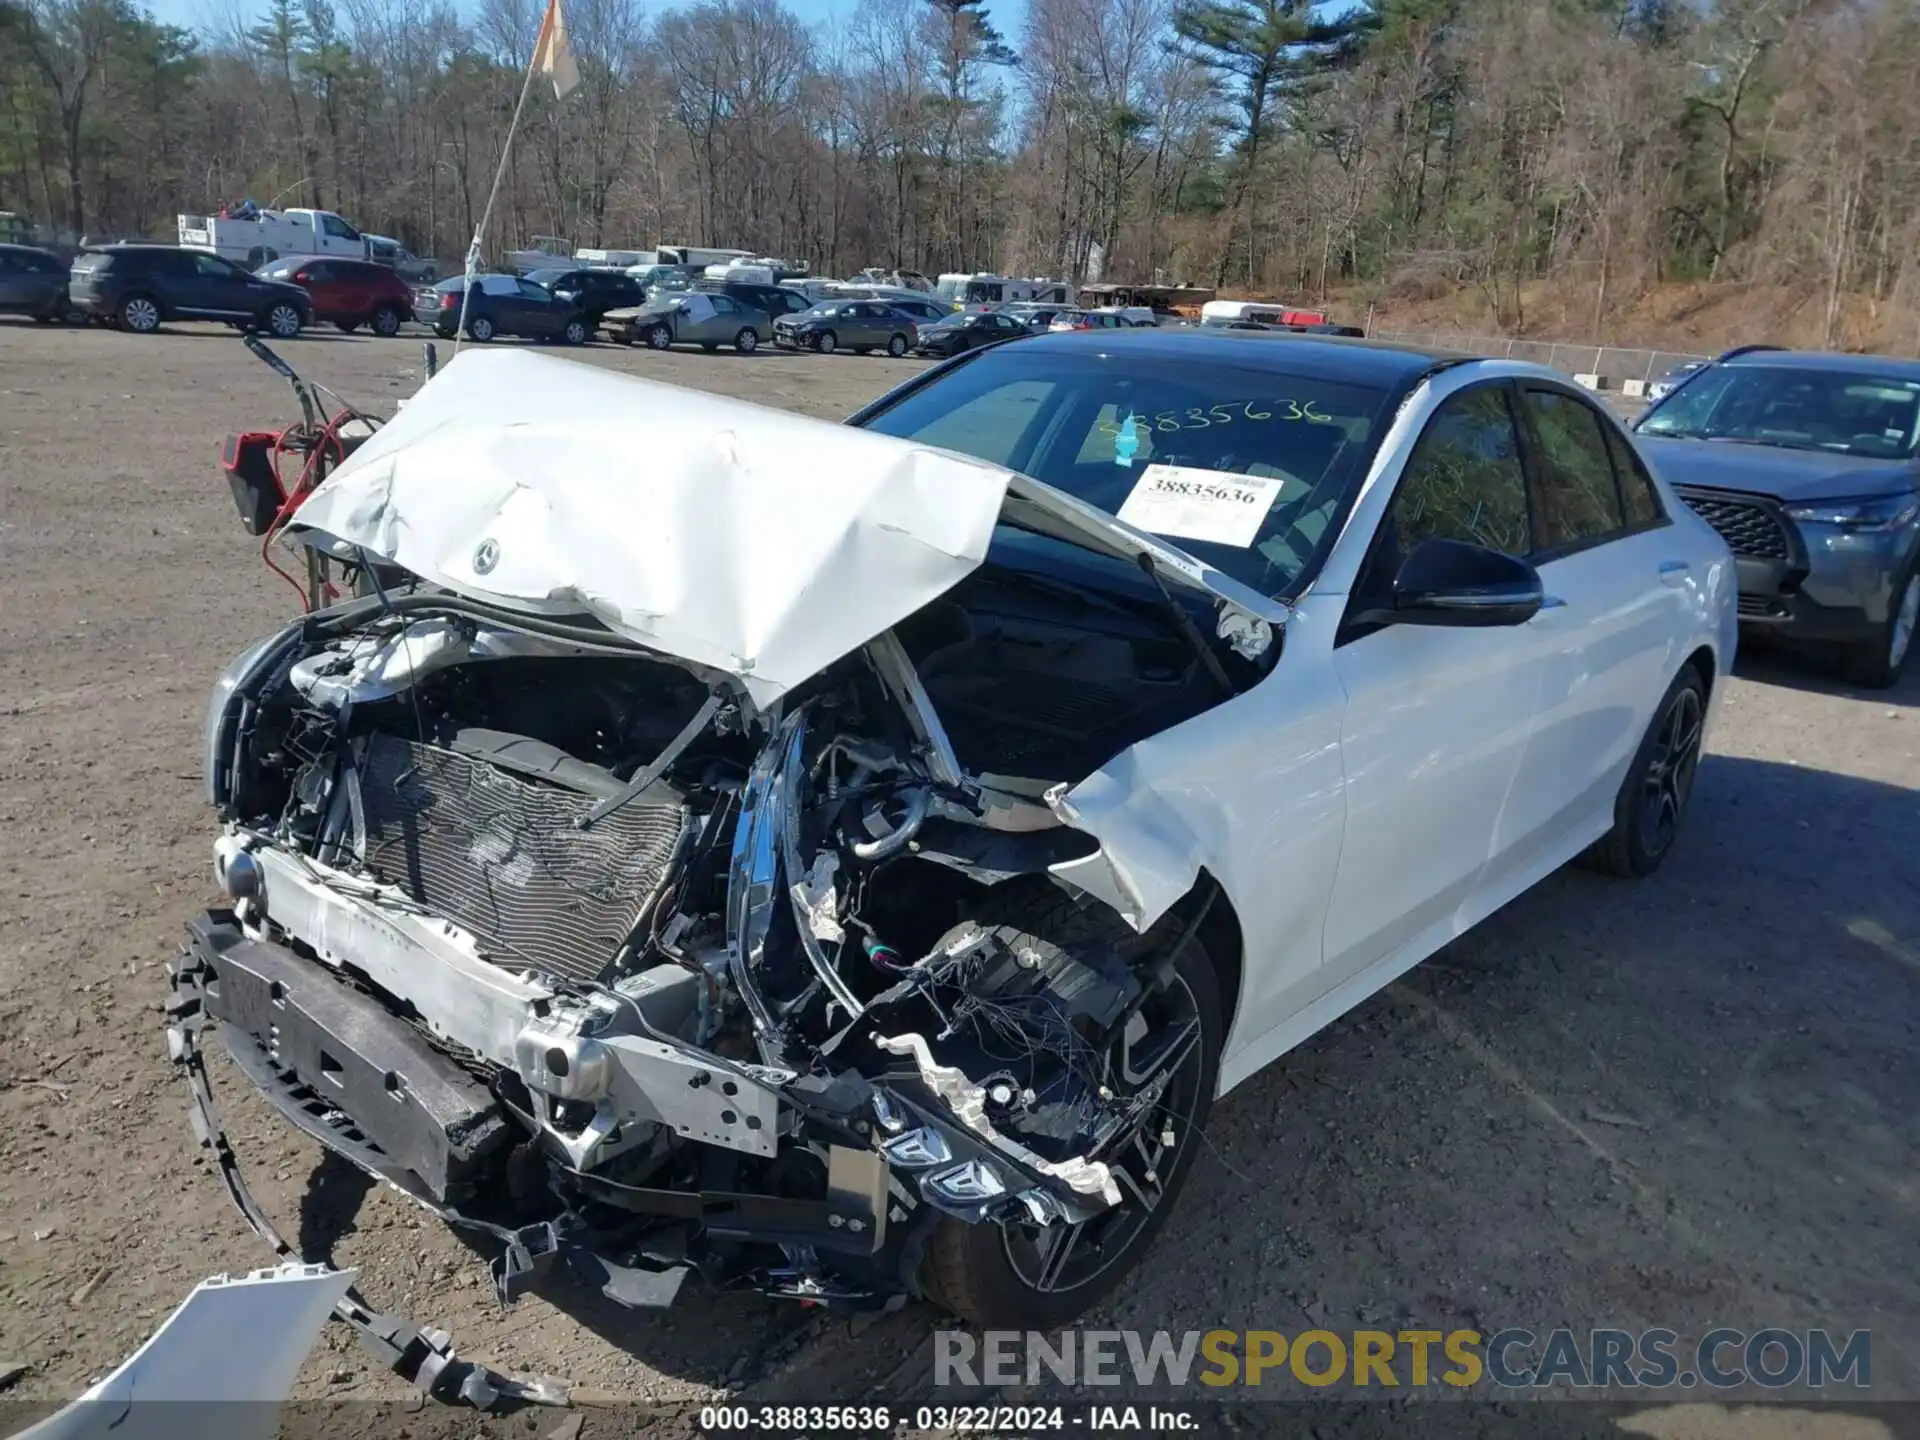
(548, 276)
(950, 287)
(1111, 431)
(1842, 412)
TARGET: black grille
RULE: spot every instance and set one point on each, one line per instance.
(500, 855)
(1750, 528)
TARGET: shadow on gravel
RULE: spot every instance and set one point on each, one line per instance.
(1772, 663)
(330, 1205)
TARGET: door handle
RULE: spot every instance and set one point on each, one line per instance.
(1673, 572)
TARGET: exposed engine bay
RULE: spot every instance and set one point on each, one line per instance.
(580, 946)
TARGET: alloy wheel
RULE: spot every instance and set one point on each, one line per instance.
(140, 315)
(386, 321)
(1159, 1062)
(1670, 770)
(284, 322)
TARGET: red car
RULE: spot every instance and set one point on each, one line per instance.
(348, 293)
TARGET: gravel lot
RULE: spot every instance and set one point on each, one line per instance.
(1689, 1102)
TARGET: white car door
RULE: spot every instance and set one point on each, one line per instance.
(1605, 548)
(1438, 718)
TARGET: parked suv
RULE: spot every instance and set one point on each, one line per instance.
(348, 293)
(594, 291)
(138, 286)
(32, 282)
(857, 325)
(771, 300)
(503, 305)
(1806, 464)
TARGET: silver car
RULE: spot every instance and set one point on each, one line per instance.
(693, 317)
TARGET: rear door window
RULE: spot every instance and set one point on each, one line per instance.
(1637, 495)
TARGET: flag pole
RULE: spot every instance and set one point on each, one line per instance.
(499, 174)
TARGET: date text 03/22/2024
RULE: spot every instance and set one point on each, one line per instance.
(1000, 1420)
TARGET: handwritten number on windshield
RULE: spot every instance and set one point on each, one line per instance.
(1167, 422)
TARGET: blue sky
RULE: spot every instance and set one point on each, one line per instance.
(1007, 15)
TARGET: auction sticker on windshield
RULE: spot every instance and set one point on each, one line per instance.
(1200, 504)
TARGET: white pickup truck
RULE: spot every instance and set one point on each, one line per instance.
(265, 235)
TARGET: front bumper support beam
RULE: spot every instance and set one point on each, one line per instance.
(422, 1356)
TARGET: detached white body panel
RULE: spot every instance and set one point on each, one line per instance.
(233, 1343)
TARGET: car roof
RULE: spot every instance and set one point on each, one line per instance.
(1337, 358)
(1904, 367)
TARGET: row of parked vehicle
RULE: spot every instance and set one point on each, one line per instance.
(139, 287)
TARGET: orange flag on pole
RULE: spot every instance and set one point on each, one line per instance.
(552, 55)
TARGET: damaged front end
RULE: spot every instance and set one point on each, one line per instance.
(580, 946)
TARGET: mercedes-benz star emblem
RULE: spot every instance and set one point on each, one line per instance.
(485, 556)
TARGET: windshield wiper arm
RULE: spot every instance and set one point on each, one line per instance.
(1754, 440)
(1189, 631)
(647, 774)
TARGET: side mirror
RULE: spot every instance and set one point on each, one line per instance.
(1452, 582)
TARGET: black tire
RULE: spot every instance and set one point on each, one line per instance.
(139, 314)
(346, 327)
(897, 346)
(747, 341)
(282, 321)
(1876, 662)
(660, 337)
(480, 329)
(385, 322)
(575, 332)
(1653, 798)
(972, 1270)
(827, 343)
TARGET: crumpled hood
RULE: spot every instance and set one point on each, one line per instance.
(743, 539)
(1792, 475)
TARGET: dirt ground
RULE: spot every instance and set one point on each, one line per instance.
(1689, 1102)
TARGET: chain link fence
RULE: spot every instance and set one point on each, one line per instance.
(1612, 363)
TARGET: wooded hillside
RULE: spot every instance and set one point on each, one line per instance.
(1404, 147)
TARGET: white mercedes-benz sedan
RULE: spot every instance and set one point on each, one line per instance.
(850, 861)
